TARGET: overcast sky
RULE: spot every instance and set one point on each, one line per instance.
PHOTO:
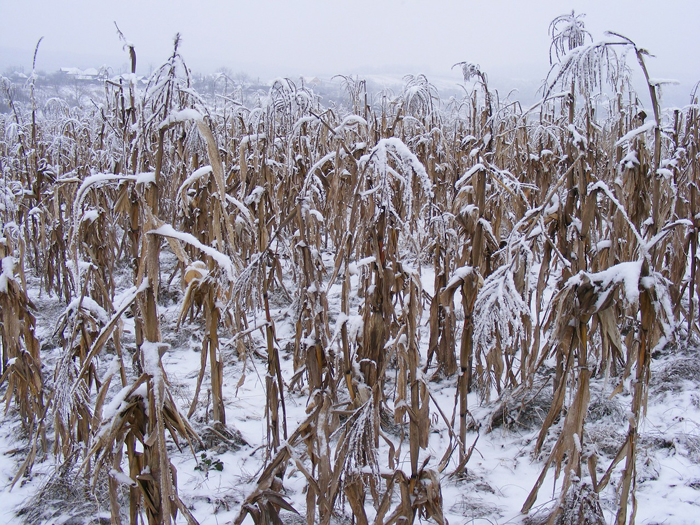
(271, 38)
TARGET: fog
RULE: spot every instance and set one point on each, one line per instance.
(269, 38)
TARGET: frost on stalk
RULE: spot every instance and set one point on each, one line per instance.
(575, 62)
(588, 67)
(70, 393)
(384, 156)
(286, 103)
(419, 96)
(249, 280)
(499, 312)
(469, 70)
(581, 505)
(8, 206)
(93, 181)
(357, 451)
(568, 32)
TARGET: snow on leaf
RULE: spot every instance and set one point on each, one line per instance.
(255, 196)
(350, 121)
(468, 175)
(636, 132)
(223, 260)
(189, 181)
(625, 274)
(459, 275)
(118, 402)
(122, 478)
(89, 305)
(660, 81)
(98, 179)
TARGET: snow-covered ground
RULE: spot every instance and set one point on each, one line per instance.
(498, 477)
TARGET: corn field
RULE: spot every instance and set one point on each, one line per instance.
(396, 277)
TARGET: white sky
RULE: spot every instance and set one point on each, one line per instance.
(268, 38)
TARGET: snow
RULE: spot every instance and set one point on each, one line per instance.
(8, 273)
(627, 274)
(255, 196)
(499, 475)
(660, 81)
(183, 115)
(117, 403)
(600, 185)
(578, 139)
(151, 358)
(366, 260)
(315, 214)
(665, 172)
(602, 245)
(90, 215)
(7, 200)
(252, 138)
(502, 469)
(499, 309)
(126, 297)
(467, 139)
(405, 156)
(317, 166)
(630, 160)
(122, 478)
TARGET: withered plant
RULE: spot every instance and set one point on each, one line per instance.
(366, 253)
